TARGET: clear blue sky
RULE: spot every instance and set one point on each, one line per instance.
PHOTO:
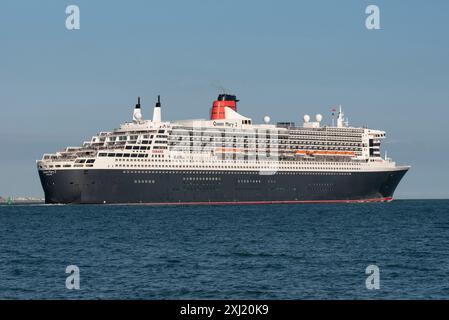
(282, 58)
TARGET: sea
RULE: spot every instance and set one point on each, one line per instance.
(397, 250)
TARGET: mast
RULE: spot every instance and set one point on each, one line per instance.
(137, 114)
(157, 110)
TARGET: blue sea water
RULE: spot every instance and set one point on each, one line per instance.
(226, 252)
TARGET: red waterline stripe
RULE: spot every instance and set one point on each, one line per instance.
(266, 202)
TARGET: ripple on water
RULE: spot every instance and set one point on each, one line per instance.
(226, 252)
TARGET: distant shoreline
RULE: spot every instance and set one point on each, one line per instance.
(14, 201)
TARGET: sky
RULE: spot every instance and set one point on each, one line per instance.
(59, 87)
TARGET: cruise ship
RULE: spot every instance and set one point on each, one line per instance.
(226, 159)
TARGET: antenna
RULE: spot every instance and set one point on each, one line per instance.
(223, 90)
(219, 87)
(340, 118)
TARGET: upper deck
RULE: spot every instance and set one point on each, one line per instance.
(230, 138)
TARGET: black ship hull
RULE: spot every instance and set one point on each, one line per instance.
(215, 187)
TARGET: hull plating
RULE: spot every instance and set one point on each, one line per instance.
(215, 187)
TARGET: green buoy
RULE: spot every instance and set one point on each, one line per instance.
(9, 201)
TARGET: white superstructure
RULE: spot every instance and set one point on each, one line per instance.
(231, 142)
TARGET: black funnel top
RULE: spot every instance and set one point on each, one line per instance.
(227, 97)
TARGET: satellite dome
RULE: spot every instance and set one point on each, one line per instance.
(266, 119)
(319, 117)
(306, 118)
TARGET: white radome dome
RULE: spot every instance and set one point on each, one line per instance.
(319, 117)
(266, 119)
(137, 115)
(306, 118)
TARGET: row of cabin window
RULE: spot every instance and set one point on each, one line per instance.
(85, 161)
(137, 148)
(123, 155)
(228, 167)
(237, 172)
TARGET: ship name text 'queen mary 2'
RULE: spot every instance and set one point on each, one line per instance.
(226, 159)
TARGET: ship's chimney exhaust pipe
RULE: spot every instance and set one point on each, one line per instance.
(157, 110)
(223, 101)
